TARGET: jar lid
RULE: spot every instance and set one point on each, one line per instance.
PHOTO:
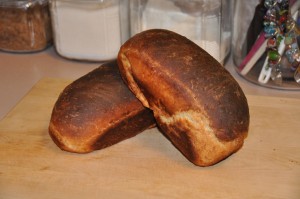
(21, 3)
(101, 3)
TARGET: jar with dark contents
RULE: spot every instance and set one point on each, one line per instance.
(25, 26)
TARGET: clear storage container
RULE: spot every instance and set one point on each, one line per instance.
(206, 22)
(24, 25)
(266, 42)
(90, 30)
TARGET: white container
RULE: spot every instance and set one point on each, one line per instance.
(90, 30)
(205, 22)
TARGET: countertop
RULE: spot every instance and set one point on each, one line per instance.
(19, 72)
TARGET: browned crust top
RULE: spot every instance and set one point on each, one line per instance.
(196, 79)
(96, 104)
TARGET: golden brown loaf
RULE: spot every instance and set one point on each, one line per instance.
(96, 111)
(196, 102)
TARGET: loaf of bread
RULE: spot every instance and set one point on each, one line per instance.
(97, 111)
(196, 102)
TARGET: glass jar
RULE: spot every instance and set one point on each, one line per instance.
(206, 22)
(263, 40)
(24, 25)
(90, 30)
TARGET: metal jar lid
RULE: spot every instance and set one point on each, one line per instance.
(23, 4)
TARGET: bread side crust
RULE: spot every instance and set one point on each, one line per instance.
(204, 148)
(94, 136)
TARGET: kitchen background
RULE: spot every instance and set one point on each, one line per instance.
(68, 38)
(45, 45)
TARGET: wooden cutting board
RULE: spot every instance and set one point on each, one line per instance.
(147, 166)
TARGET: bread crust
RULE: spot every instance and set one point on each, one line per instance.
(196, 102)
(97, 111)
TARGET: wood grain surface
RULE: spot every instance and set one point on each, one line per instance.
(148, 165)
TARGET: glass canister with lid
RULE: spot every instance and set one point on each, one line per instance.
(24, 25)
(266, 42)
(91, 30)
(206, 22)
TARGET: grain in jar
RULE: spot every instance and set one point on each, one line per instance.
(25, 26)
